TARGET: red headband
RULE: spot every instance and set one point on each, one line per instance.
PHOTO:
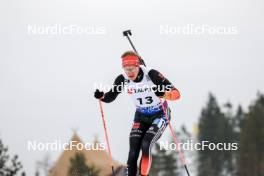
(130, 61)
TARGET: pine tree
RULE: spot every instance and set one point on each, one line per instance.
(164, 163)
(251, 153)
(238, 122)
(79, 168)
(8, 167)
(228, 136)
(215, 127)
(157, 158)
(170, 165)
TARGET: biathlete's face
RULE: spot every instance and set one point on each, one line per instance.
(131, 72)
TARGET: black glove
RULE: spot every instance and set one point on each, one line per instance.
(98, 94)
(158, 92)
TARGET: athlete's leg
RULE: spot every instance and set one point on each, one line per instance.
(135, 139)
(149, 139)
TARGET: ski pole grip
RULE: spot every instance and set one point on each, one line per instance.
(127, 33)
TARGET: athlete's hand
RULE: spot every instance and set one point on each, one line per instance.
(98, 94)
(172, 95)
(160, 94)
(157, 92)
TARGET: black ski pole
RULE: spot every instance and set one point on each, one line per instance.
(127, 33)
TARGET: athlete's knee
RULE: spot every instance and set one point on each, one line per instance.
(150, 138)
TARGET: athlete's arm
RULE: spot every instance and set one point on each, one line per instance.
(164, 87)
(116, 89)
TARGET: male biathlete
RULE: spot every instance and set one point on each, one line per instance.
(146, 87)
